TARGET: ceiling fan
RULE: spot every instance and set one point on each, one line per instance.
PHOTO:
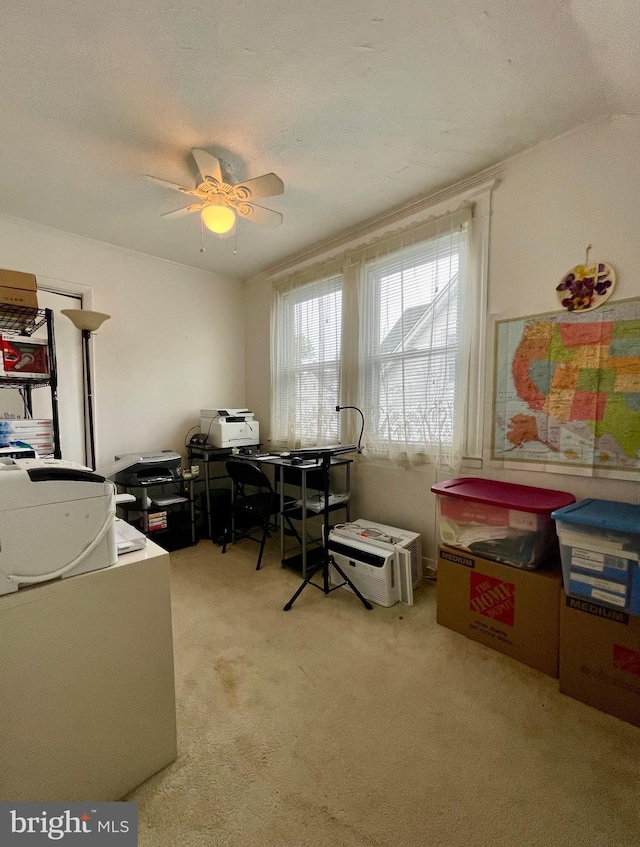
(220, 202)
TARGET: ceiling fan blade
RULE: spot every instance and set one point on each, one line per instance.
(207, 164)
(268, 185)
(166, 184)
(186, 210)
(259, 215)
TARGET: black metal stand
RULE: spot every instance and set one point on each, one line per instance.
(324, 455)
(86, 336)
(53, 384)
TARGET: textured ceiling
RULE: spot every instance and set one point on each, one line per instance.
(358, 105)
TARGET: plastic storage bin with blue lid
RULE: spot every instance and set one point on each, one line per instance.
(600, 552)
(499, 520)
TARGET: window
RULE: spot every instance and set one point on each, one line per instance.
(308, 350)
(396, 327)
(410, 345)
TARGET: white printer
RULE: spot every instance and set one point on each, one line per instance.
(229, 427)
(56, 520)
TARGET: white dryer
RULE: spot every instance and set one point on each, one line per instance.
(56, 520)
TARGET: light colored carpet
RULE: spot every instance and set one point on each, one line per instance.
(330, 725)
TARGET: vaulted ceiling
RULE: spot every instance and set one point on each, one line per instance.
(358, 105)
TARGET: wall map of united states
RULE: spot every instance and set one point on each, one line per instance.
(567, 388)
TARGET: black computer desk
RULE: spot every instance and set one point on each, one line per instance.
(208, 454)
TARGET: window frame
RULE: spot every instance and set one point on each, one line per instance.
(470, 203)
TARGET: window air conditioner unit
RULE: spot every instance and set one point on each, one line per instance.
(383, 562)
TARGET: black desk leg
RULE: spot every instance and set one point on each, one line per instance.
(192, 507)
(207, 495)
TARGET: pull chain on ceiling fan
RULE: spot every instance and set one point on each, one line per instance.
(220, 202)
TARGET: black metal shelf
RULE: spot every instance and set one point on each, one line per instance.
(22, 319)
(295, 512)
(136, 506)
(181, 515)
(26, 321)
(19, 382)
(311, 482)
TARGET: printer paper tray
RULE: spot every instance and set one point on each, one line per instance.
(169, 501)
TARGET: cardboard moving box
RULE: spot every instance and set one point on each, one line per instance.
(600, 657)
(17, 279)
(514, 611)
(18, 297)
(18, 289)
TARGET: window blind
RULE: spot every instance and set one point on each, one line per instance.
(410, 345)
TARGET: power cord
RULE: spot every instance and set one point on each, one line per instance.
(197, 426)
(188, 433)
(366, 532)
(214, 418)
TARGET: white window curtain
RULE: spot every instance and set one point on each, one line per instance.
(394, 327)
(413, 355)
(306, 356)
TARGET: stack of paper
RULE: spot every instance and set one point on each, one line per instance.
(315, 503)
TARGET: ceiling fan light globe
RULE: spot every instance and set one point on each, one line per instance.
(218, 219)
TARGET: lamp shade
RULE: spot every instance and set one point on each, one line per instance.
(218, 219)
(84, 319)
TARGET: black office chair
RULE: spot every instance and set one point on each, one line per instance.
(254, 502)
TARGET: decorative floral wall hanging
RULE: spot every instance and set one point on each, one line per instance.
(586, 286)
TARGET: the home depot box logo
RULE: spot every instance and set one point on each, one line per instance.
(492, 598)
(480, 603)
(626, 659)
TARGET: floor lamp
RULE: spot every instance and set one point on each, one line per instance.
(87, 322)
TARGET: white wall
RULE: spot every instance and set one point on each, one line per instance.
(174, 344)
(582, 189)
(550, 204)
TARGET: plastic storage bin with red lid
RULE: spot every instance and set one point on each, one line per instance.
(501, 521)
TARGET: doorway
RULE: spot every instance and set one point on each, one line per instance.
(70, 379)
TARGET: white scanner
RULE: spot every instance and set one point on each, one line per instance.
(56, 520)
